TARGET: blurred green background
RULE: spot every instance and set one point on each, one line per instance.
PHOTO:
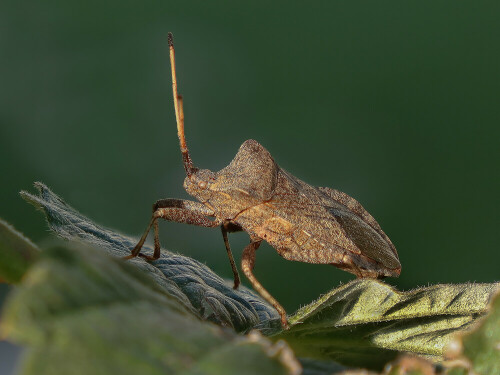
(395, 103)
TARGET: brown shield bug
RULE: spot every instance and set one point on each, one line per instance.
(253, 194)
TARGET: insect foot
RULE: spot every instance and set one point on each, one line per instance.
(253, 194)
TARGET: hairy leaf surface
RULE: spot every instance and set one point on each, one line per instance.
(366, 322)
(81, 312)
(194, 284)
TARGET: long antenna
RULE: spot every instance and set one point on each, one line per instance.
(179, 112)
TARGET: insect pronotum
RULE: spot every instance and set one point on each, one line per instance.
(253, 194)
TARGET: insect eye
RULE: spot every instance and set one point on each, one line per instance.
(202, 184)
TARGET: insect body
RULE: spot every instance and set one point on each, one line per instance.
(302, 222)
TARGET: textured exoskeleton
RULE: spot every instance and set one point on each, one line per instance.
(302, 222)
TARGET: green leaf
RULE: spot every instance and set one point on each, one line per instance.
(194, 284)
(366, 322)
(482, 345)
(479, 349)
(17, 253)
(82, 312)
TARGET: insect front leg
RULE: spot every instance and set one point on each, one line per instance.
(247, 264)
(179, 211)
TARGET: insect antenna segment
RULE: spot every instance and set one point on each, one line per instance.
(179, 112)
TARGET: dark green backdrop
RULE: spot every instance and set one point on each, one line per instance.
(395, 103)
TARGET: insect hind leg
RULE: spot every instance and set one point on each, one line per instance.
(247, 265)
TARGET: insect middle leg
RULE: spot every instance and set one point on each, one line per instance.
(247, 265)
(179, 211)
(225, 228)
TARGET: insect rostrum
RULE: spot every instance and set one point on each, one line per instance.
(302, 222)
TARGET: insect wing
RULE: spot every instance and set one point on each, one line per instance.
(339, 224)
